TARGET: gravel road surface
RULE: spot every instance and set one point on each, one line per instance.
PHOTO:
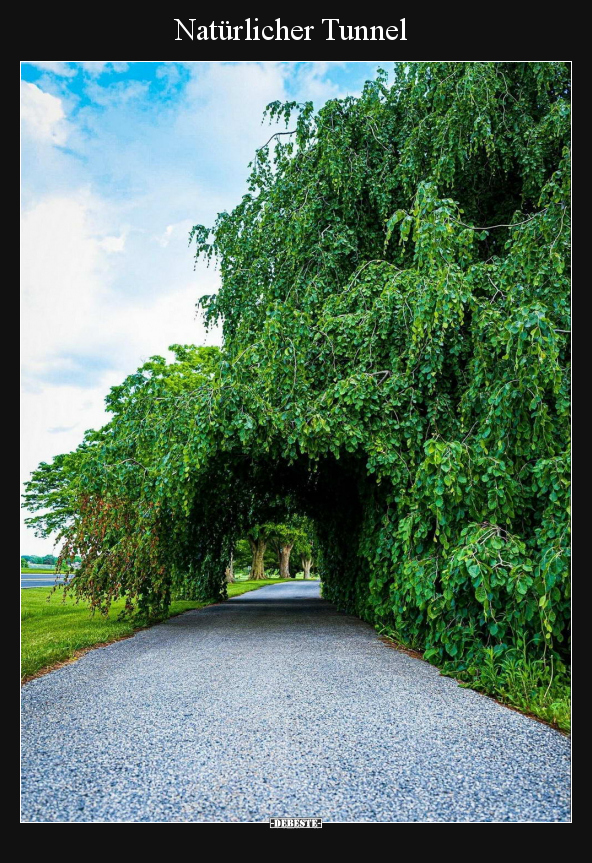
(275, 704)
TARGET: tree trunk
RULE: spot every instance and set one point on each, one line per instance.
(306, 565)
(258, 549)
(230, 571)
(285, 550)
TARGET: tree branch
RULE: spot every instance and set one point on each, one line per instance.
(275, 136)
(491, 227)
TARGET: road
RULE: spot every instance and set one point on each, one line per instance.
(39, 580)
(275, 704)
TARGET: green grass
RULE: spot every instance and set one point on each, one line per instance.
(531, 686)
(40, 571)
(53, 631)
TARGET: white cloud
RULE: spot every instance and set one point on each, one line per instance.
(53, 420)
(225, 101)
(79, 336)
(97, 67)
(42, 115)
(164, 238)
(117, 94)
(113, 244)
(60, 279)
(312, 84)
(82, 325)
(65, 69)
(58, 67)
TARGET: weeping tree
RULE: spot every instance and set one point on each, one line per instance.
(102, 499)
(397, 281)
(395, 308)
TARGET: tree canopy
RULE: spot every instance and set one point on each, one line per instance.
(395, 308)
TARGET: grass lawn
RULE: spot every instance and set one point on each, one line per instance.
(35, 570)
(53, 632)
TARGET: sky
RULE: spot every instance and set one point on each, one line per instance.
(118, 161)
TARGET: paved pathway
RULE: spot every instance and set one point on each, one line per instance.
(275, 704)
(39, 580)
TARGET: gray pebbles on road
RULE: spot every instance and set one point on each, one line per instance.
(275, 704)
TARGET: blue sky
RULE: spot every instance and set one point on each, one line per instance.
(119, 160)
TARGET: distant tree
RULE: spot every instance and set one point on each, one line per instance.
(304, 548)
(281, 539)
(258, 537)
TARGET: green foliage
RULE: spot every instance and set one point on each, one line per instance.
(533, 685)
(243, 555)
(395, 309)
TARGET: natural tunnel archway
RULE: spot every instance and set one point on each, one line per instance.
(395, 308)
